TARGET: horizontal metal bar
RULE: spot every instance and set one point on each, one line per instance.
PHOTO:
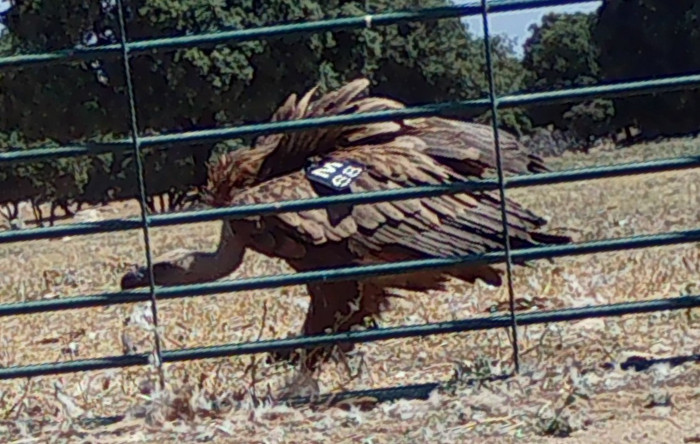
(185, 217)
(74, 366)
(348, 273)
(481, 323)
(220, 134)
(171, 141)
(616, 89)
(269, 32)
(75, 229)
(59, 152)
(423, 391)
(475, 324)
(666, 84)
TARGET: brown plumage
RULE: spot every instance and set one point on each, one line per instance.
(396, 154)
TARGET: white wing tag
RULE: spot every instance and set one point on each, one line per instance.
(335, 174)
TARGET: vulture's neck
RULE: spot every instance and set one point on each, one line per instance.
(210, 266)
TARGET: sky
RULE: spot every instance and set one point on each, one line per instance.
(513, 24)
(516, 24)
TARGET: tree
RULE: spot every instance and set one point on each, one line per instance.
(509, 77)
(643, 39)
(28, 181)
(196, 88)
(561, 53)
(230, 83)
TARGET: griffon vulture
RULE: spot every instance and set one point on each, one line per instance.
(354, 159)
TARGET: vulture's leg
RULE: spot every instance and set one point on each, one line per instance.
(336, 307)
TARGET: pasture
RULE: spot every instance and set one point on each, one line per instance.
(570, 381)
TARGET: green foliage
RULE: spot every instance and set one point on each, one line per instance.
(590, 119)
(647, 39)
(28, 181)
(560, 53)
(16, 181)
(509, 77)
(189, 89)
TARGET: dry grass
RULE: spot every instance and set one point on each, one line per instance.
(563, 388)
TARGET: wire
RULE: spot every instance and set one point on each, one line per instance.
(493, 97)
(142, 192)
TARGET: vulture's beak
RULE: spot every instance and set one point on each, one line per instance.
(135, 278)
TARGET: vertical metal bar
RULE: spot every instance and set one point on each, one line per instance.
(493, 97)
(142, 191)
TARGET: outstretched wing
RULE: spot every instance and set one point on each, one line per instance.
(430, 227)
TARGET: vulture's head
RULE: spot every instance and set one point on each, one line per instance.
(164, 273)
(177, 267)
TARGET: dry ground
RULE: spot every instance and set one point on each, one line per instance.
(564, 388)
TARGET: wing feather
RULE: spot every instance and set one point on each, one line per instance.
(431, 227)
(397, 154)
(288, 152)
(470, 146)
(368, 217)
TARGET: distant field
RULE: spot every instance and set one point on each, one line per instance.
(562, 376)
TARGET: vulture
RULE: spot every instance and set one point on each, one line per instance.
(351, 159)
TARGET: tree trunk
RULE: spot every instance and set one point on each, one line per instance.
(628, 134)
(38, 215)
